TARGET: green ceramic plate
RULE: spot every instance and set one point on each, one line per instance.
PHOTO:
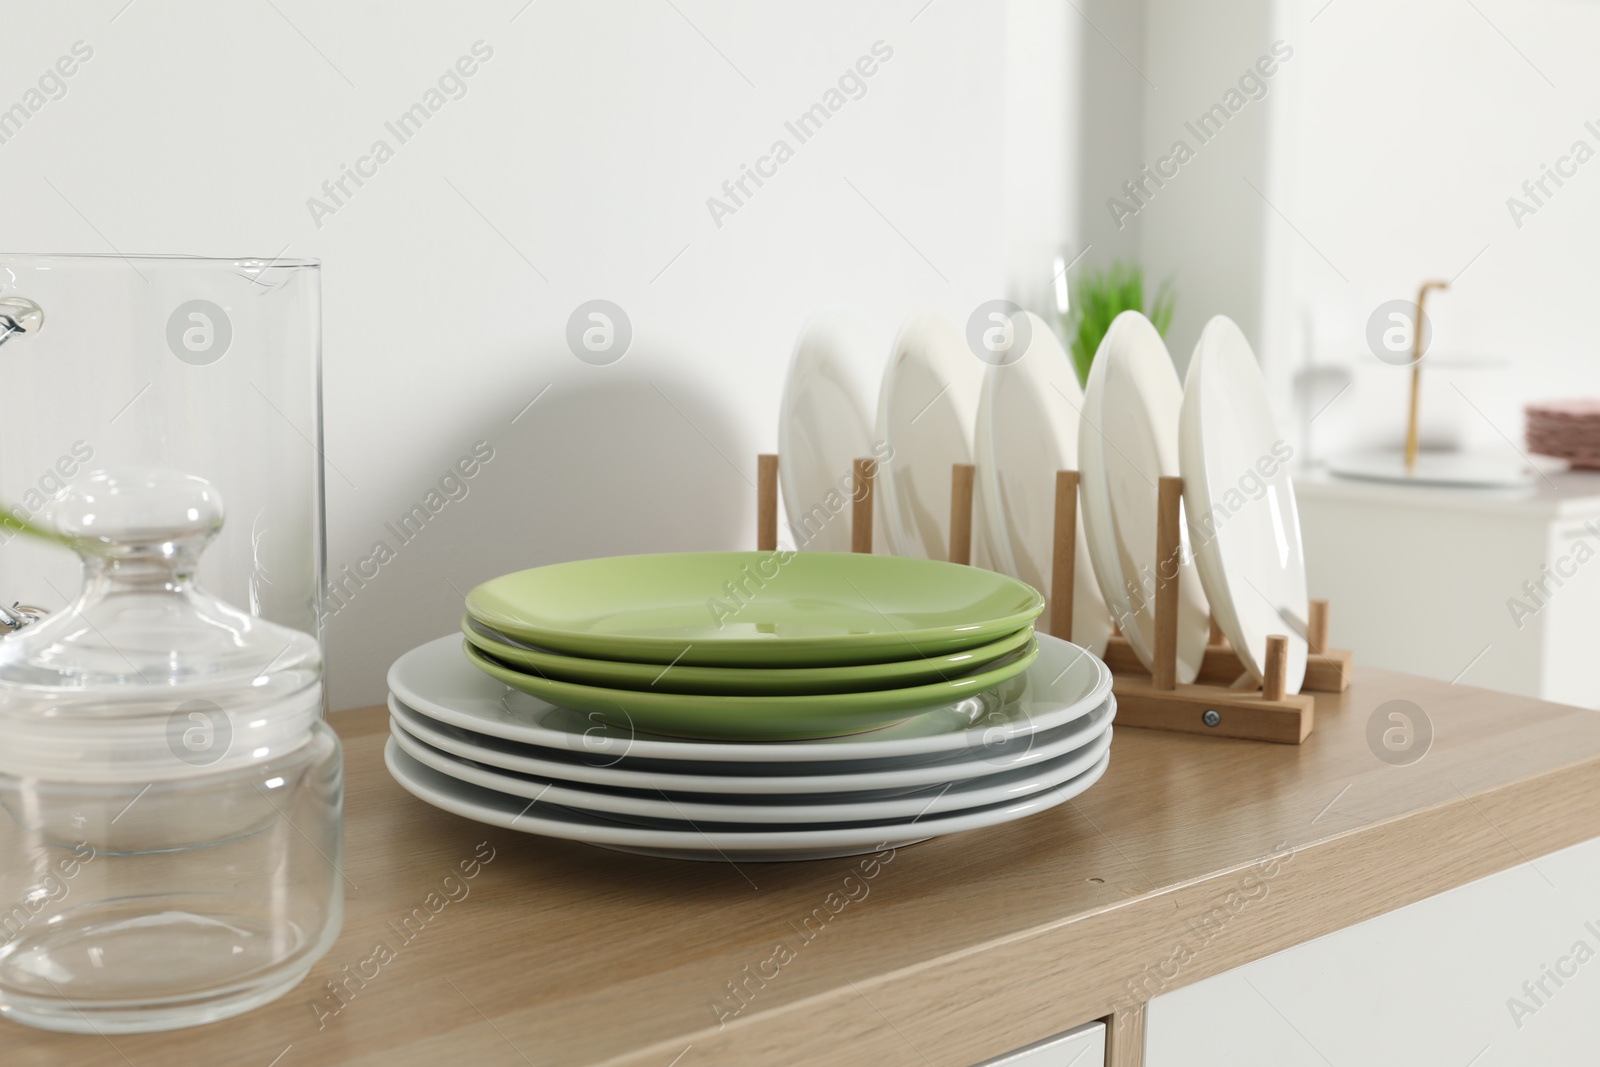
(757, 718)
(755, 609)
(747, 681)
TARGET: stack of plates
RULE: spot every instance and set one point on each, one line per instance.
(1567, 429)
(830, 704)
(752, 646)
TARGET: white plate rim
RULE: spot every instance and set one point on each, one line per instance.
(591, 830)
(1095, 502)
(1052, 650)
(1221, 586)
(869, 778)
(1032, 374)
(944, 363)
(816, 351)
(1047, 775)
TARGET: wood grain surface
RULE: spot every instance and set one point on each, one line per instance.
(1192, 856)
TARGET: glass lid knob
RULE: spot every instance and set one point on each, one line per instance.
(140, 511)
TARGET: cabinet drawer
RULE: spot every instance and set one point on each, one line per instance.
(1496, 973)
(1083, 1046)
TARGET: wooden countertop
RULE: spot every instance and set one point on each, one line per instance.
(1192, 856)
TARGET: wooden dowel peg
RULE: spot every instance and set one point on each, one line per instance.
(766, 503)
(1164, 669)
(1275, 671)
(1063, 560)
(961, 512)
(1225, 699)
(861, 510)
(1317, 627)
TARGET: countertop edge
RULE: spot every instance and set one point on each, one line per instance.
(1320, 888)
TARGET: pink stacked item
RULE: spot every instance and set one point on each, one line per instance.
(1566, 429)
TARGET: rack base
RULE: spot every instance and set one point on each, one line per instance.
(1212, 711)
(1326, 672)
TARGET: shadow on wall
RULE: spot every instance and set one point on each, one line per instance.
(609, 467)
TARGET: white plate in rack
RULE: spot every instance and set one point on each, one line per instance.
(1128, 440)
(1027, 430)
(702, 841)
(1066, 682)
(927, 405)
(824, 426)
(1239, 502)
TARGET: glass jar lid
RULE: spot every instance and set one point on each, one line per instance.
(144, 674)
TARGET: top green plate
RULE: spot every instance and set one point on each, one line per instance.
(737, 681)
(755, 608)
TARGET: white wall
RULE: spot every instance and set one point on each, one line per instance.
(1074, 113)
(1041, 136)
(990, 142)
(1404, 130)
(1115, 83)
(1206, 227)
(590, 143)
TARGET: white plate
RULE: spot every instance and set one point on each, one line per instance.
(927, 405)
(1465, 470)
(1127, 440)
(766, 810)
(435, 679)
(709, 843)
(867, 779)
(1027, 430)
(824, 425)
(1243, 522)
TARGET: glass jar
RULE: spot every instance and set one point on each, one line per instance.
(171, 835)
(210, 366)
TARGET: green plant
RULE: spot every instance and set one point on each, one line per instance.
(1100, 296)
(10, 524)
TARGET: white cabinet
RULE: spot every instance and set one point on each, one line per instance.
(1084, 1046)
(1428, 580)
(1504, 972)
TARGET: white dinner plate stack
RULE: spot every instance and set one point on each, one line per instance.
(468, 744)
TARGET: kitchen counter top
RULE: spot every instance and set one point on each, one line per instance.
(1192, 856)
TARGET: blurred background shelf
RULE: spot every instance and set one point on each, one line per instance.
(1447, 583)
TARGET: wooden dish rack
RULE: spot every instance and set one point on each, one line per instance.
(1223, 701)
